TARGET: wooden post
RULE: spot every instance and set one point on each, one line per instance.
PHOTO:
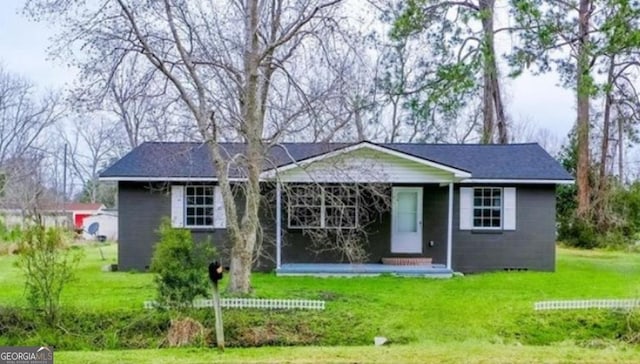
(217, 309)
(215, 274)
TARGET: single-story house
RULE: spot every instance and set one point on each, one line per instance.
(466, 207)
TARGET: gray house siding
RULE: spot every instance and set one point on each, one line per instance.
(530, 246)
(142, 206)
(297, 248)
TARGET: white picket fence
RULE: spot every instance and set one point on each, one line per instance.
(586, 304)
(257, 303)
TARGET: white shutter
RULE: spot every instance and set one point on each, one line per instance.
(466, 208)
(509, 222)
(177, 206)
(219, 216)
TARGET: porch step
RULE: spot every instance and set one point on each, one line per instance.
(352, 270)
(407, 261)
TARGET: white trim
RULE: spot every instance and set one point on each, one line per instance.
(278, 225)
(271, 173)
(268, 174)
(520, 181)
(212, 206)
(169, 179)
(323, 209)
(474, 207)
(450, 226)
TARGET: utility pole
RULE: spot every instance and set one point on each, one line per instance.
(64, 185)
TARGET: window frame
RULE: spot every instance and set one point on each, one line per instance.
(187, 205)
(482, 207)
(324, 205)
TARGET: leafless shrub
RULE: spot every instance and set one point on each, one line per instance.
(337, 217)
(185, 331)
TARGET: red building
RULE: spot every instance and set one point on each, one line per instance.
(80, 211)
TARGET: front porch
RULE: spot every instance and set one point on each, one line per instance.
(366, 269)
(417, 189)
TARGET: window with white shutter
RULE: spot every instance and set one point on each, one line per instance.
(197, 206)
(488, 208)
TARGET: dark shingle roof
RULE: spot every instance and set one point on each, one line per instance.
(193, 160)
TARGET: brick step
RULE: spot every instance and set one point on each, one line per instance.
(407, 261)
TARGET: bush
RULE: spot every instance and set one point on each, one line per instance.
(578, 233)
(9, 238)
(180, 266)
(48, 265)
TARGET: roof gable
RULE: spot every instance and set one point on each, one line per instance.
(365, 162)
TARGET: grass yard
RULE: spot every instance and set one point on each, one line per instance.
(483, 318)
(427, 352)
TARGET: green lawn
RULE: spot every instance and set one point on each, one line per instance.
(430, 318)
(427, 352)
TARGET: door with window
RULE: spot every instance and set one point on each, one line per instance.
(406, 220)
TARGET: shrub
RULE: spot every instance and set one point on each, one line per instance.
(47, 265)
(9, 238)
(578, 233)
(180, 266)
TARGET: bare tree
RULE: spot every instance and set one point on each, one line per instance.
(23, 117)
(525, 130)
(351, 210)
(230, 63)
(24, 120)
(92, 146)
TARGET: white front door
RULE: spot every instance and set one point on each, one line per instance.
(406, 220)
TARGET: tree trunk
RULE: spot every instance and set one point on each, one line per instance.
(360, 128)
(487, 111)
(603, 178)
(606, 125)
(489, 71)
(245, 241)
(583, 85)
(501, 119)
(493, 95)
(621, 148)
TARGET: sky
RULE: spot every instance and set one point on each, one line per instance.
(23, 50)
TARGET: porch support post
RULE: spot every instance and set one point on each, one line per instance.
(278, 225)
(450, 225)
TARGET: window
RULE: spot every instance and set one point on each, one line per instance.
(199, 206)
(305, 206)
(487, 207)
(341, 207)
(331, 207)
